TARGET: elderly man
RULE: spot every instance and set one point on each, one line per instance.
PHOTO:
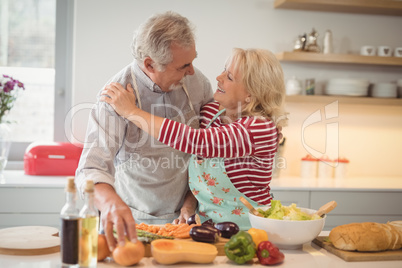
(136, 176)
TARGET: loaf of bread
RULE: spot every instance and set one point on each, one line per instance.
(367, 236)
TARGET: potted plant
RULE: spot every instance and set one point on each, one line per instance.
(9, 90)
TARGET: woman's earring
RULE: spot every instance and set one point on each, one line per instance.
(248, 99)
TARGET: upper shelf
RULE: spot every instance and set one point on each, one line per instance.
(338, 58)
(343, 100)
(383, 7)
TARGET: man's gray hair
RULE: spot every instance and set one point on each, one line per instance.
(154, 38)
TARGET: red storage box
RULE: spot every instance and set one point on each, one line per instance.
(55, 158)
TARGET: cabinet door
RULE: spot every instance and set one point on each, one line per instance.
(334, 220)
(31, 206)
(360, 203)
(359, 206)
(19, 219)
(31, 200)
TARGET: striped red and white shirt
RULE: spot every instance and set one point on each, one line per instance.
(247, 145)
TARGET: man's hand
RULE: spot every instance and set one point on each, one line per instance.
(115, 215)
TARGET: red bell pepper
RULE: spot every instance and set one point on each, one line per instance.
(269, 254)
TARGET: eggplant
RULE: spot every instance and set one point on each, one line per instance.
(212, 228)
(194, 219)
(209, 222)
(227, 228)
(204, 234)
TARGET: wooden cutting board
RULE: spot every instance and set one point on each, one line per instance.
(219, 246)
(355, 256)
(29, 240)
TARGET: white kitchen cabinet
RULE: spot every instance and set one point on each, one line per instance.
(359, 206)
(365, 202)
(21, 206)
(29, 219)
(30, 206)
(353, 206)
(31, 200)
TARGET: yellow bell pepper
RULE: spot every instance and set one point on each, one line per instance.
(258, 235)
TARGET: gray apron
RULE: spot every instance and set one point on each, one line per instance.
(154, 181)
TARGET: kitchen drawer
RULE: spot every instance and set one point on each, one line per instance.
(13, 220)
(31, 200)
(300, 198)
(334, 220)
(360, 203)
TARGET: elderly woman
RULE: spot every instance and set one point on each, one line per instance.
(233, 152)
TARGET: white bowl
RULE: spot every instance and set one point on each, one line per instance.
(287, 234)
(384, 90)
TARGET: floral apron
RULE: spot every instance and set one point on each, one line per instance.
(218, 198)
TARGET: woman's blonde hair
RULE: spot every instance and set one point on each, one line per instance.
(262, 75)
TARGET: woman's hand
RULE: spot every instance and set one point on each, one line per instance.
(122, 100)
(185, 213)
(188, 208)
(280, 135)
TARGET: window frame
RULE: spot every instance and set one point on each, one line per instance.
(63, 78)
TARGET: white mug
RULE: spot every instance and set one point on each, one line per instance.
(293, 86)
(367, 51)
(398, 52)
(384, 51)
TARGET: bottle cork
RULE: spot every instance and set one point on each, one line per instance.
(89, 187)
(70, 186)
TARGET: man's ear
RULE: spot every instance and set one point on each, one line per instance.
(149, 65)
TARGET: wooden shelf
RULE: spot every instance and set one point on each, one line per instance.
(380, 7)
(344, 100)
(338, 58)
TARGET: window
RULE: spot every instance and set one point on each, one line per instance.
(35, 48)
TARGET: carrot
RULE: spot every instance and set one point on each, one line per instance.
(182, 236)
(184, 231)
(181, 230)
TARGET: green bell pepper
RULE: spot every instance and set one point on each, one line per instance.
(240, 248)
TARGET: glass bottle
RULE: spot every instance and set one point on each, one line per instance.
(69, 231)
(89, 222)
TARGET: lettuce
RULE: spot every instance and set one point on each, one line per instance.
(279, 212)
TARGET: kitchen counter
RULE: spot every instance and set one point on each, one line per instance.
(310, 256)
(342, 184)
(24, 199)
(17, 178)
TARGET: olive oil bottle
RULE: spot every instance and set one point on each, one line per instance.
(89, 222)
(69, 231)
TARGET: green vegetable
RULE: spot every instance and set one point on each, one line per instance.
(240, 248)
(279, 212)
(148, 237)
